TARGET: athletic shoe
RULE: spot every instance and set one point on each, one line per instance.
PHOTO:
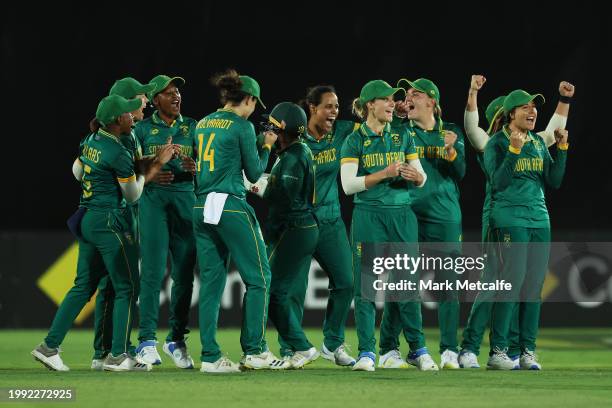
(299, 359)
(339, 356)
(516, 361)
(49, 357)
(97, 364)
(264, 361)
(365, 362)
(499, 360)
(177, 350)
(449, 360)
(222, 366)
(146, 353)
(529, 361)
(467, 359)
(422, 360)
(123, 362)
(391, 359)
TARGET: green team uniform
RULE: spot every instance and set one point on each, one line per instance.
(226, 145)
(333, 251)
(436, 206)
(480, 313)
(382, 214)
(519, 215)
(165, 213)
(107, 244)
(103, 315)
(292, 233)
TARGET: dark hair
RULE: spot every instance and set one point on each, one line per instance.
(229, 85)
(314, 95)
(94, 125)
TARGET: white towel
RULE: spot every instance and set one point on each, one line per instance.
(213, 207)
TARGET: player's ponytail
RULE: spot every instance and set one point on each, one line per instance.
(94, 125)
(229, 85)
(359, 109)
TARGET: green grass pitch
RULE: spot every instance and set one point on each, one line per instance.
(577, 373)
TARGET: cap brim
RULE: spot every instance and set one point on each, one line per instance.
(499, 112)
(133, 104)
(262, 104)
(410, 85)
(538, 99)
(147, 89)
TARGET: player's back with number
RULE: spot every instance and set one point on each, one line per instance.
(105, 161)
(225, 145)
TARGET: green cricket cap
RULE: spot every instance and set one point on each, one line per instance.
(129, 87)
(113, 106)
(493, 108)
(251, 87)
(161, 82)
(422, 85)
(518, 97)
(376, 89)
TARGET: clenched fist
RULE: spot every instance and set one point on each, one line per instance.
(561, 136)
(477, 82)
(517, 139)
(566, 89)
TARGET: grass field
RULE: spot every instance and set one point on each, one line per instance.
(577, 372)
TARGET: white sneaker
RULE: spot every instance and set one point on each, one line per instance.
(146, 353)
(449, 360)
(49, 357)
(124, 362)
(177, 350)
(340, 356)
(301, 358)
(97, 364)
(529, 361)
(222, 366)
(467, 359)
(365, 362)
(499, 360)
(424, 362)
(264, 361)
(392, 359)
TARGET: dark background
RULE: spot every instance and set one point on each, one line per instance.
(57, 62)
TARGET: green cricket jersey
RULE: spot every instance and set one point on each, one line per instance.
(106, 162)
(225, 144)
(291, 192)
(438, 200)
(152, 134)
(486, 208)
(326, 153)
(375, 152)
(518, 179)
(131, 143)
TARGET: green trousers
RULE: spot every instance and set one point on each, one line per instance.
(237, 234)
(108, 247)
(333, 253)
(290, 251)
(378, 225)
(166, 225)
(480, 313)
(522, 256)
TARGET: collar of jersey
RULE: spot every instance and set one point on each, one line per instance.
(367, 132)
(159, 121)
(107, 134)
(439, 124)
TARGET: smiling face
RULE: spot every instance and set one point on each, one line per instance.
(325, 113)
(524, 117)
(420, 106)
(139, 113)
(382, 108)
(168, 101)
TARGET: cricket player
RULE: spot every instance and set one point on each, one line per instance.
(519, 167)
(103, 225)
(378, 166)
(165, 215)
(225, 224)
